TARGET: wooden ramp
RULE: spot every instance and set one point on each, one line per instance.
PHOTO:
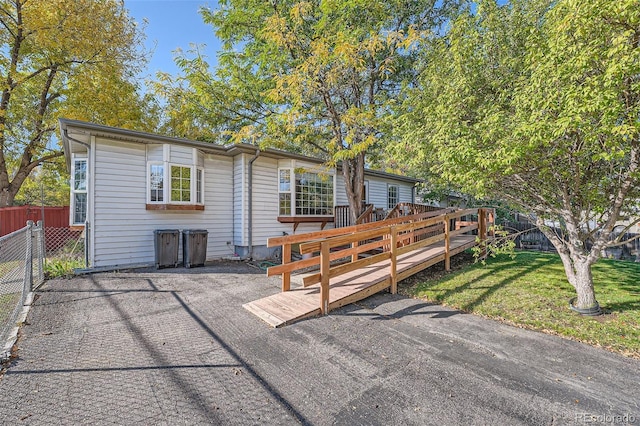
(296, 304)
(408, 247)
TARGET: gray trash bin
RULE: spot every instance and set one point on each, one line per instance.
(194, 247)
(167, 242)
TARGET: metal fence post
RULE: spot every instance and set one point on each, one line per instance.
(28, 265)
(86, 244)
(40, 253)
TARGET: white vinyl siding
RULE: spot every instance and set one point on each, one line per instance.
(155, 152)
(123, 227)
(180, 154)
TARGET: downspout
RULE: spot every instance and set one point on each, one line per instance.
(250, 207)
(86, 222)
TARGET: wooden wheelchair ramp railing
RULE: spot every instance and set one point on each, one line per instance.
(358, 261)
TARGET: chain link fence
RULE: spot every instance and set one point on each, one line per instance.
(21, 270)
(65, 247)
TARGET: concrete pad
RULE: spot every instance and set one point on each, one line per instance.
(176, 347)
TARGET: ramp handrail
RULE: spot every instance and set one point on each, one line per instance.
(392, 237)
(288, 241)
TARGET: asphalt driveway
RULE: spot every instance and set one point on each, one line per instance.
(176, 347)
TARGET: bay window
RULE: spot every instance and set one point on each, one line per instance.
(305, 193)
(174, 184)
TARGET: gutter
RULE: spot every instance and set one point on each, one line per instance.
(250, 207)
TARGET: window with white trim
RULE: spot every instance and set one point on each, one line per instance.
(312, 194)
(393, 196)
(180, 184)
(199, 186)
(79, 191)
(175, 184)
(284, 192)
(365, 192)
(156, 182)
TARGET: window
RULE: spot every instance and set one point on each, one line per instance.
(185, 184)
(79, 191)
(199, 184)
(180, 184)
(312, 194)
(392, 196)
(365, 192)
(156, 179)
(284, 192)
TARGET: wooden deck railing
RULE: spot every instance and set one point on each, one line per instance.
(408, 209)
(389, 238)
(342, 216)
(366, 215)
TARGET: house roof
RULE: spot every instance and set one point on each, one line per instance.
(226, 150)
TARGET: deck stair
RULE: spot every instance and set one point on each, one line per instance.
(405, 245)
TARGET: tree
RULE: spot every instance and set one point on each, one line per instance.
(538, 103)
(47, 186)
(318, 77)
(62, 57)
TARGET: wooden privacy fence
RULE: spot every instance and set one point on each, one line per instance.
(16, 217)
(340, 251)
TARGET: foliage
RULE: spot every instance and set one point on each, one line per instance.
(61, 267)
(502, 242)
(313, 77)
(75, 58)
(537, 103)
(49, 179)
(524, 291)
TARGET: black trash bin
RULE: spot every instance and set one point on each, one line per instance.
(167, 242)
(194, 247)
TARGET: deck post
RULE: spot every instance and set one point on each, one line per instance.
(393, 263)
(492, 222)
(325, 265)
(482, 231)
(354, 257)
(286, 258)
(447, 243)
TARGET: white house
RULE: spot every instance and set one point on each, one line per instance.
(125, 184)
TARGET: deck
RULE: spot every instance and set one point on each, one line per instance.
(299, 303)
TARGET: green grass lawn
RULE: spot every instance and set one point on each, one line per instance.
(531, 291)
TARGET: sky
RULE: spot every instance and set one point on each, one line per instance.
(173, 24)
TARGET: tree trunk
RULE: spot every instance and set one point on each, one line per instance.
(353, 173)
(578, 271)
(577, 261)
(7, 196)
